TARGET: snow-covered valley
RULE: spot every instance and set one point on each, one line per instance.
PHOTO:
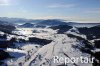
(39, 46)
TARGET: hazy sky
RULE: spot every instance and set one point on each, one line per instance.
(74, 10)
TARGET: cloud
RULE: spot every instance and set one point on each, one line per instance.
(93, 11)
(22, 10)
(61, 6)
(4, 2)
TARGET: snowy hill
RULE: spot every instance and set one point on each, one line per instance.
(27, 25)
(91, 33)
(6, 27)
(61, 28)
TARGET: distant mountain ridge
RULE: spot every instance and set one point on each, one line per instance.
(48, 22)
(30, 25)
(18, 20)
(75, 24)
(52, 22)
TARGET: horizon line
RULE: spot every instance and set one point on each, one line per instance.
(65, 20)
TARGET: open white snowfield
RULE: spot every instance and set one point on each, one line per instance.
(30, 31)
(31, 54)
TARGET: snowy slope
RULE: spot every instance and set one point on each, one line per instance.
(43, 56)
(61, 46)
